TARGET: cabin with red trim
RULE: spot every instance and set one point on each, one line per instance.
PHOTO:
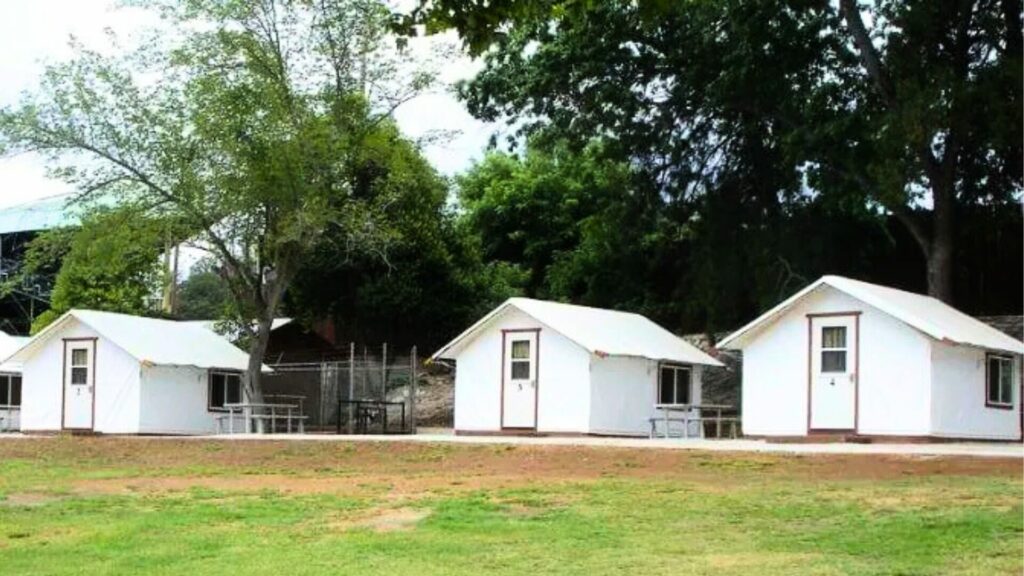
(538, 367)
(848, 358)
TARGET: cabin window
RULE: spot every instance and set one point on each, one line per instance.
(520, 359)
(225, 388)
(674, 384)
(79, 365)
(999, 382)
(833, 349)
(10, 390)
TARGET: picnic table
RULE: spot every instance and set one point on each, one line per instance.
(262, 413)
(687, 416)
(363, 412)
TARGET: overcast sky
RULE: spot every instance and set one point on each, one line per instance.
(33, 32)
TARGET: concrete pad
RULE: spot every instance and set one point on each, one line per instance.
(980, 449)
(977, 449)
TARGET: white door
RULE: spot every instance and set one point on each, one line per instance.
(79, 381)
(833, 372)
(519, 396)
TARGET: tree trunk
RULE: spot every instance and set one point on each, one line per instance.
(940, 255)
(940, 270)
(272, 288)
(937, 245)
(257, 349)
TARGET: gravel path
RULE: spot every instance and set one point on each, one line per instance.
(979, 449)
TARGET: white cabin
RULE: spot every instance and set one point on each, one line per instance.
(10, 383)
(848, 357)
(118, 374)
(544, 367)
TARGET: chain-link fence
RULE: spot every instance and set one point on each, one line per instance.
(370, 392)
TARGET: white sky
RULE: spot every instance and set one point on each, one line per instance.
(33, 32)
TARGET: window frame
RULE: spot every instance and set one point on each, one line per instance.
(85, 366)
(845, 349)
(7, 389)
(513, 359)
(1000, 359)
(209, 388)
(676, 368)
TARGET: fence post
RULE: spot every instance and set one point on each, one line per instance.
(384, 375)
(351, 386)
(412, 398)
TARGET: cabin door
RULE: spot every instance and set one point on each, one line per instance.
(79, 384)
(519, 380)
(834, 363)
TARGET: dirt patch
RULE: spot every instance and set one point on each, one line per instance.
(393, 488)
(27, 499)
(387, 520)
(435, 397)
(400, 470)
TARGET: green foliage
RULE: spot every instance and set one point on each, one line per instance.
(110, 262)
(431, 281)
(204, 295)
(533, 211)
(252, 139)
(772, 101)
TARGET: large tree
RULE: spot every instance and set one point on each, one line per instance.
(398, 299)
(911, 107)
(240, 120)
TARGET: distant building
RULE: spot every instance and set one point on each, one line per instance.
(19, 225)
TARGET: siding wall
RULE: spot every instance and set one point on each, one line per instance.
(174, 401)
(959, 389)
(624, 392)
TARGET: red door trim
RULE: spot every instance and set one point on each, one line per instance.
(856, 370)
(536, 389)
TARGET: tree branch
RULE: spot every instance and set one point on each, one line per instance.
(866, 50)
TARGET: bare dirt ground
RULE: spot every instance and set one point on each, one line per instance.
(405, 471)
(435, 398)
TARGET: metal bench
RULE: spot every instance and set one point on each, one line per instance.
(701, 414)
(261, 416)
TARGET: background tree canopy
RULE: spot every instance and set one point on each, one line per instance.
(741, 114)
(693, 161)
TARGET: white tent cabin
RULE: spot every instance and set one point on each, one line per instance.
(10, 383)
(543, 367)
(849, 358)
(119, 374)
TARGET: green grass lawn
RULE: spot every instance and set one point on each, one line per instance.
(127, 506)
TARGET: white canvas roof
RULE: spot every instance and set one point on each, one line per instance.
(923, 313)
(8, 345)
(149, 340)
(599, 331)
